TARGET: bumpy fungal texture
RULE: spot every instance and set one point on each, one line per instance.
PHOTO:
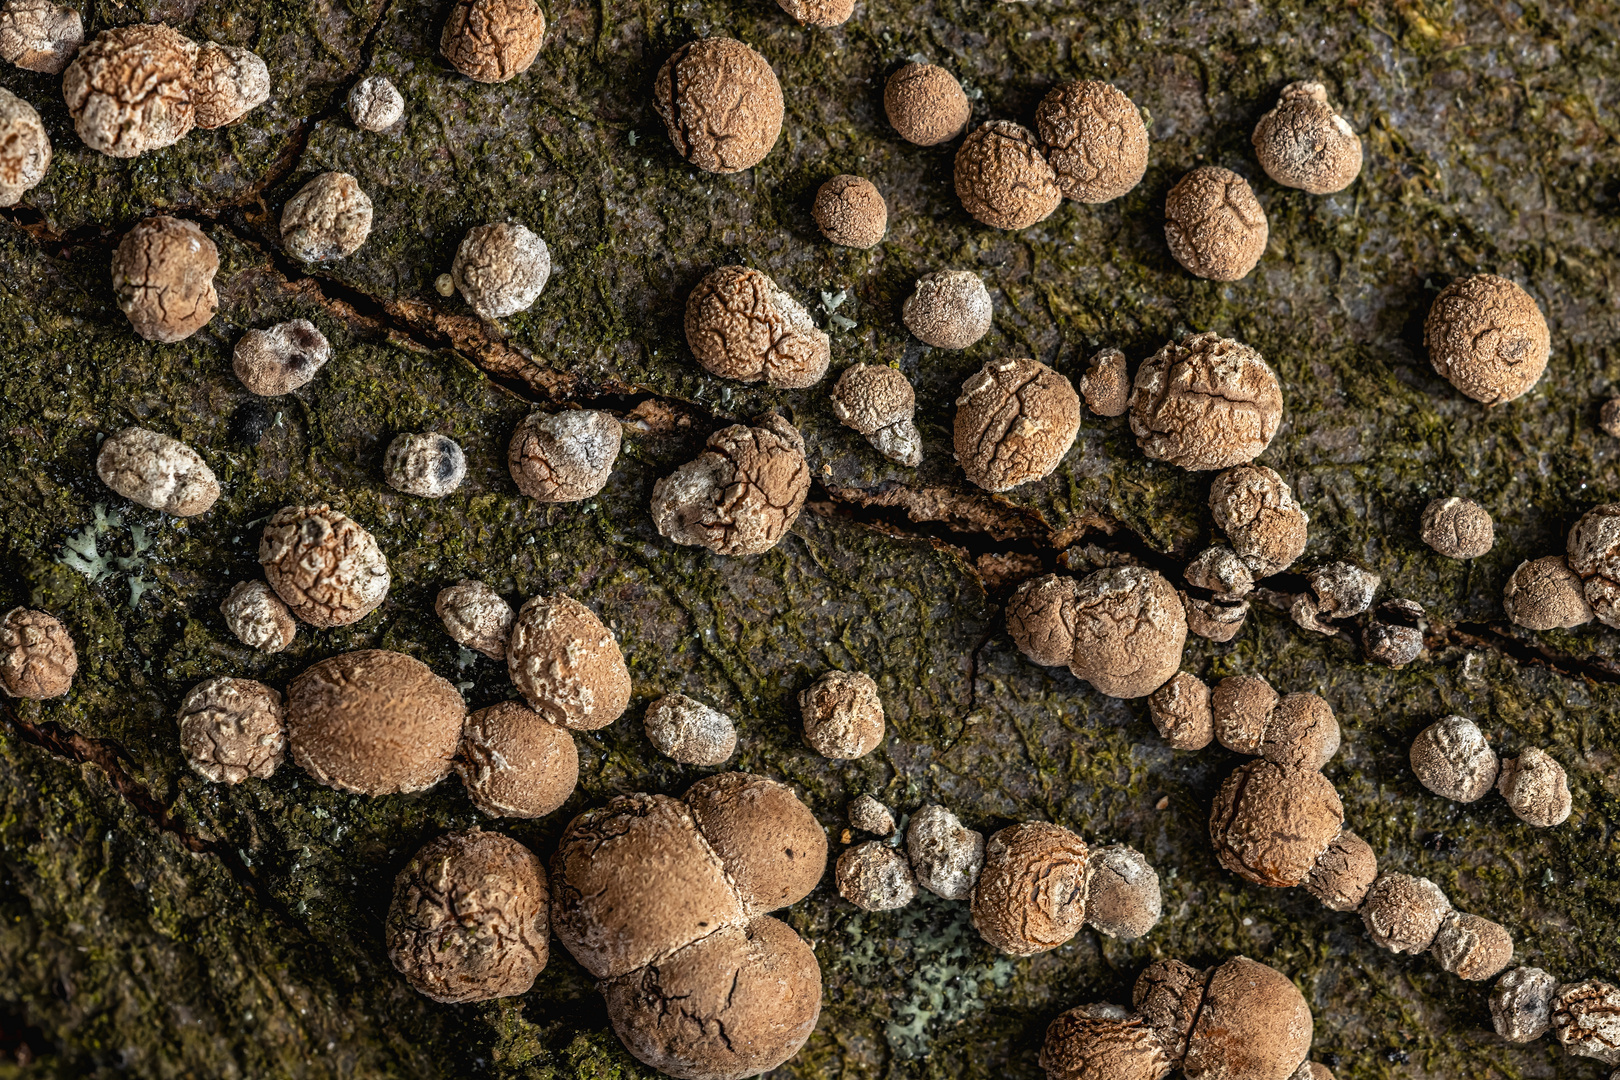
(1343, 873)
(1594, 554)
(1129, 630)
(493, 40)
(741, 495)
(1471, 947)
(1219, 570)
(476, 616)
(1002, 179)
(850, 211)
(1457, 528)
(1205, 402)
(721, 103)
(1015, 420)
(565, 456)
(158, 472)
(1168, 994)
(516, 763)
(1040, 618)
(819, 12)
(1486, 335)
(925, 104)
(39, 35)
(130, 89)
(1270, 824)
(163, 277)
(256, 615)
(1521, 1004)
(1586, 1019)
(878, 401)
(875, 877)
(1103, 1042)
(1536, 788)
(1254, 1025)
(567, 664)
(227, 83)
(324, 565)
(1031, 894)
(1106, 385)
(1403, 913)
(772, 847)
(327, 220)
(1545, 594)
(1095, 139)
(689, 731)
(949, 309)
(946, 856)
(1452, 759)
(1214, 225)
(1240, 709)
(501, 269)
(25, 148)
(1302, 733)
(741, 326)
(430, 465)
(1341, 590)
(1393, 635)
(1181, 711)
(1122, 892)
(231, 729)
(843, 715)
(468, 919)
(868, 815)
(373, 722)
(375, 104)
(1216, 620)
(281, 359)
(1302, 143)
(37, 656)
(1257, 512)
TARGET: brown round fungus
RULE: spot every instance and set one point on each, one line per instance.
(1609, 417)
(1521, 1004)
(1214, 225)
(1216, 619)
(256, 615)
(501, 269)
(1487, 337)
(475, 616)
(1452, 759)
(876, 877)
(1586, 1019)
(157, 472)
(1103, 1042)
(1403, 913)
(925, 104)
(1094, 138)
(375, 104)
(1393, 634)
(1002, 179)
(430, 465)
(37, 657)
(1544, 594)
(1302, 732)
(227, 83)
(773, 849)
(1106, 385)
(741, 495)
(949, 309)
(567, 664)
(843, 716)
(870, 816)
(1536, 788)
(1257, 511)
(1014, 422)
(1253, 1023)
(1129, 630)
(516, 763)
(25, 148)
(850, 211)
(130, 89)
(1122, 893)
(163, 278)
(493, 41)
(1205, 402)
(1457, 528)
(1168, 994)
(327, 220)
(741, 325)
(1271, 824)
(1339, 590)
(1181, 711)
(1594, 554)
(324, 565)
(39, 35)
(1240, 710)
(281, 359)
(1302, 143)
(946, 856)
(689, 731)
(1472, 948)
(1219, 570)
(374, 722)
(1040, 618)
(231, 729)
(468, 921)
(878, 402)
(1343, 873)
(819, 12)
(721, 103)
(565, 456)
(1031, 894)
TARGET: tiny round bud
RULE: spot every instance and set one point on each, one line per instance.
(501, 269)
(850, 211)
(157, 472)
(163, 276)
(1457, 528)
(1122, 895)
(130, 89)
(327, 220)
(227, 83)
(1544, 594)
(567, 664)
(1240, 707)
(37, 657)
(1094, 138)
(493, 41)
(475, 616)
(564, 456)
(375, 104)
(1106, 385)
(819, 12)
(1472, 948)
(258, 618)
(741, 325)
(1129, 631)
(516, 763)
(281, 359)
(925, 104)
(741, 495)
(1205, 402)
(1302, 143)
(1257, 511)
(1031, 894)
(25, 148)
(871, 816)
(1015, 420)
(324, 565)
(1343, 873)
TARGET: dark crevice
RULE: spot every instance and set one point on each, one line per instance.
(1498, 639)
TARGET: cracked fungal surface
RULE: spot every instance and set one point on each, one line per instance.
(327, 220)
(1094, 138)
(493, 41)
(567, 664)
(1302, 143)
(324, 565)
(37, 657)
(1214, 225)
(25, 148)
(1205, 402)
(1031, 895)
(40, 35)
(232, 729)
(130, 90)
(281, 359)
(566, 456)
(163, 276)
(1129, 630)
(501, 269)
(742, 326)
(226, 83)
(721, 102)
(741, 495)
(1488, 337)
(1594, 554)
(1002, 178)
(1015, 420)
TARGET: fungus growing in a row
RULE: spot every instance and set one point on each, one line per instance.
(850, 211)
(843, 715)
(231, 729)
(515, 762)
(1407, 914)
(37, 657)
(564, 456)
(281, 359)
(227, 83)
(721, 102)
(875, 877)
(258, 618)
(1521, 1004)
(40, 35)
(1303, 143)
(1457, 528)
(741, 495)
(324, 565)
(690, 732)
(163, 278)
(501, 269)
(869, 815)
(1298, 731)
(1181, 711)
(1015, 420)
(327, 220)
(1121, 628)
(1205, 402)
(476, 617)
(948, 309)
(946, 856)
(1594, 554)
(1256, 510)
(25, 148)
(1002, 178)
(879, 402)
(1214, 225)
(158, 472)
(567, 664)
(1545, 594)
(741, 325)
(925, 104)
(493, 41)
(1094, 138)
(1486, 335)
(1106, 385)
(375, 104)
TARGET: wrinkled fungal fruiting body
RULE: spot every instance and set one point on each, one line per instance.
(850, 211)
(37, 656)
(1094, 138)
(163, 277)
(516, 763)
(501, 269)
(1303, 143)
(1214, 225)
(231, 729)
(1205, 402)
(324, 565)
(741, 495)
(721, 103)
(741, 325)
(493, 41)
(925, 104)
(25, 148)
(476, 616)
(949, 309)
(1486, 335)
(1002, 178)
(158, 472)
(1015, 420)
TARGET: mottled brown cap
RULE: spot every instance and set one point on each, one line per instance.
(130, 89)
(1214, 225)
(1181, 711)
(1303, 732)
(926, 104)
(875, 877)
(157, 472)
(1122, 892)
(1521, 1004)
(37, 657)
(1545, 594)
(1302, 143)
(40, 35)
(1457, 528)
(324, 565)
(721, 102)
(742, 495)
(773, 848)
(163, 278)
(1031, 894)
(1471, 947)
(819, 12)
(1594, 554)
(1403, 913)
(227, 83)
(231, 729)
(468, 921)
(281, 359)
(741, 325)
(1103, 1042)
(1586, 1019)
(428, 464)
(1487, 336)
(515, 762)
(256, 615)
(327, 220)
(1254, 1025)
(843, 715)
(946, 856)
(1129, 630)
(633, 881)
(374, 722)
(1002, 178)
(375, 103)
(1015, 420)
(501, 269)
(1040, 618)
(1094, 138)
(1106, 385)
(1257, 511)
(735, 1004)
(564, 456)
(25, 148)
(1205, 402)
(869, 815)
(1240, 707)
(688, 731)
(493, 40)
(1344, 872)
(949, 309)
(567, 664)
(1168, 994)
(476, 616)
(1270, 824)
(1536, 788)
(1452, 759)
(850, 211)
(878, 401)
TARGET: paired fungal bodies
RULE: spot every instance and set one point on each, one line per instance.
(1452, 758)
(1583, 1016)
(1570, 590)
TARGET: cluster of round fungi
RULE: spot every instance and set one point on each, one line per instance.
(1452, 758)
